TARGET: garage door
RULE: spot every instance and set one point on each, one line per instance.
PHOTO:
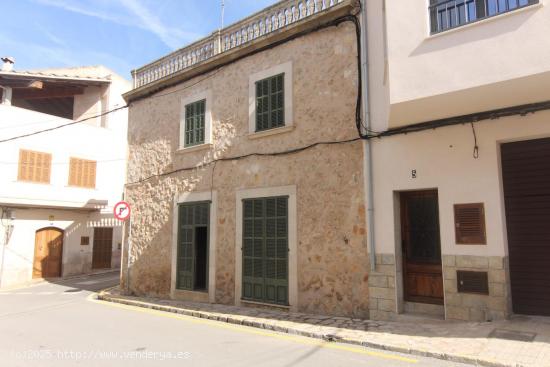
(526, 178)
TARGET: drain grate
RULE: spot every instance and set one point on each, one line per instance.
(521, 336)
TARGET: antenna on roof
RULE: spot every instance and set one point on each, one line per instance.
(223, 10)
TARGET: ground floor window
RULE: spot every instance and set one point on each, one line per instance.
(192, 253)
(265, 250)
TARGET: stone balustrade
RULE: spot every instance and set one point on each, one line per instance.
(276, 17)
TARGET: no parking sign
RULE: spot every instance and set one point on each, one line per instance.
(122, 211)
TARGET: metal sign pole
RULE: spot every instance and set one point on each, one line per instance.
(128, 261)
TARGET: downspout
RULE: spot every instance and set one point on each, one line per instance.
(4, 235)
(367, 143)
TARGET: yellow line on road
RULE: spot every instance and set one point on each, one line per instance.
(250, 330)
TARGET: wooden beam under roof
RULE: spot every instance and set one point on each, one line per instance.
(48, 91)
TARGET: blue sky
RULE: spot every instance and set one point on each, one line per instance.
(120, 34)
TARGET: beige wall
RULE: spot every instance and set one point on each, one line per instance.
(331, 255)
(443, 159)
(481, 66)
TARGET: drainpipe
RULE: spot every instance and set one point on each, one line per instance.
(367, 144)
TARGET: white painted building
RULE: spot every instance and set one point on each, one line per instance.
(460, 174)
(58, 188)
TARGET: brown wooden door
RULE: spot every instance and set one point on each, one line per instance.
(48, 253)
(422, 271)
(103, 248)
(526, 182)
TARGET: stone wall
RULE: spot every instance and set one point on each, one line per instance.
(332, 255)
(382, 291)
(475, 307)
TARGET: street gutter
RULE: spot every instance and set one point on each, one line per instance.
(275, 325)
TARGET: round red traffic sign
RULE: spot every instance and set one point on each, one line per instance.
(122, 210)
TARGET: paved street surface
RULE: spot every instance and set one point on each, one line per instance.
(61, 324)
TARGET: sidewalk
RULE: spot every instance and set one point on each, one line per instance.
(38, 281)
(485, 344)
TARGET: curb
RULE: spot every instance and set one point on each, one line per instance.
(294, 331)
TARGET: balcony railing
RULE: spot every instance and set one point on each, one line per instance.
(447, 14)
(276, 17)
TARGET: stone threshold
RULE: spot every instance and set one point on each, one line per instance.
(325, 332)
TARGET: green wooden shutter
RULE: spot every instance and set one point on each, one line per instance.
(277, 101)
(270, 109)
(276, 251)
(195, 123)
(185, 263)
(265, 250)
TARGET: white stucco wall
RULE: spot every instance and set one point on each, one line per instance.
(19, 252)
(497, 62)
(34, 203)
(443, 159)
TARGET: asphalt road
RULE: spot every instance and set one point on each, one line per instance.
(62, 324)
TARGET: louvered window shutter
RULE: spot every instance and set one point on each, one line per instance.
(34, 166)
(470, 224)
(265, 250)
(92, 167)
(46, 167)
(270, 103)
(195, 123)
(23, 164)
(185, 248)
(82, 173)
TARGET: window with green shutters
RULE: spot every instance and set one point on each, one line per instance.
(194, 123)
(190, 218)
(265, 250)
(270, 102)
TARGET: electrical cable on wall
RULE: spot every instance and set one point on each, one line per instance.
(476, 148)
(363, 132)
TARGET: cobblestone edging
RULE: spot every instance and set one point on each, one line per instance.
(329, 333)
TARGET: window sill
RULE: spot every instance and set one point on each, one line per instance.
(33, 182)
(81, 187)
(486, 20)
(194, 148)
(264, 133)
(276, 305)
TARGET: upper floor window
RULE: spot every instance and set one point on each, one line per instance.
(195, 123)
(270, 103)
(447, 14)
(82, 173)
(34, 166)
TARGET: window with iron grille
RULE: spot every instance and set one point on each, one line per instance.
(447, 14)
(195, 123)
(270, 102)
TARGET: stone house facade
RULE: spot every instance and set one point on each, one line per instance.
(245, 171)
